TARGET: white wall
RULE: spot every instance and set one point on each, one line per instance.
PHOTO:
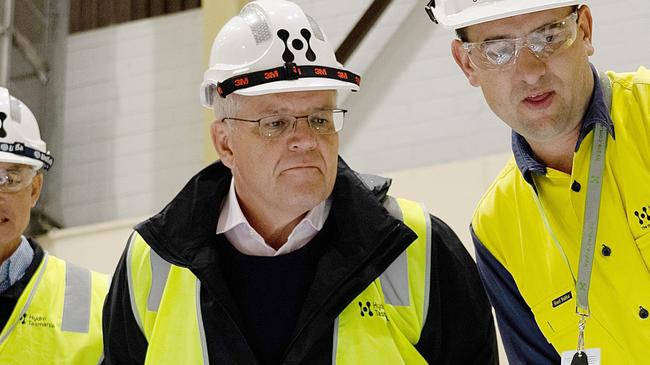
(132, 128)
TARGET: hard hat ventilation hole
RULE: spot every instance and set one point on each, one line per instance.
(311, 56)
(287, 55)
(3, 132)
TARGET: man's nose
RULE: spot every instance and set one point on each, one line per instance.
(302, 136)
(529, 67)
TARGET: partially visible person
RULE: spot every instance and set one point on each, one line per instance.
(50, 310)
(563, 234)
(279, 253)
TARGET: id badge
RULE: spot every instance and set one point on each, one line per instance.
(591, 357)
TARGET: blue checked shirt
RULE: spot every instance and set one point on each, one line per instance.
(15, 266)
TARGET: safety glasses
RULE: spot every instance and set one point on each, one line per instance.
(500, 54)
(16, 179)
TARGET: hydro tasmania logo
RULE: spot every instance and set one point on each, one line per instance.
(643, 216)
(374, 309)
(35, 321)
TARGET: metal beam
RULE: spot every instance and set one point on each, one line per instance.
(361, 29)
(5, 42)
(31, 54)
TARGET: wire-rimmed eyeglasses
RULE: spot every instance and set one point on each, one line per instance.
(322, 121)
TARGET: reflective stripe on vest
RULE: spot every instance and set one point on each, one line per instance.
(60, 309)
(165, 300)
(382, 325)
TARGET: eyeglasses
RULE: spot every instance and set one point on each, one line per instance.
(15, 179)
(500, 54)
(325, 121)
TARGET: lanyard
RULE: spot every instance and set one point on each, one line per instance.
(590, 223)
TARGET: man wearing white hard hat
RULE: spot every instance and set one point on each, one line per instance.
(50, 310)
(279, 253)
(562, 236)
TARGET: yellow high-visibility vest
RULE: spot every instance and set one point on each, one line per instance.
(58, 317)
(380, 326)
(508, 223)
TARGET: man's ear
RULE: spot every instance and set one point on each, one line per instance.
(585, 23)
(462, 60)
(37, 186)
(220, 133)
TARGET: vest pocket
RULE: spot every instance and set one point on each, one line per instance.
(556, 315)
(643, 244)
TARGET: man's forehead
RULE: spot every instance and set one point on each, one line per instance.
(514, 26)
(13, 166)
(290, 102)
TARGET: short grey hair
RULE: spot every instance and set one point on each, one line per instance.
(227, 107)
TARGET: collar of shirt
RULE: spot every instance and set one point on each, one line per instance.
(234, 225)
(15, 266)
(597, 112)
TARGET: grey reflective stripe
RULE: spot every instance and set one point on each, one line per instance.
(393, 208)
(335, 341)
(76, 303)
(29, 298)
(395, 281)
(159, 273)
(101, 359)
(199, 318)
(129, 275)
(427, 267)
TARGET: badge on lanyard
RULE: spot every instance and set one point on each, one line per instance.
(586, 357)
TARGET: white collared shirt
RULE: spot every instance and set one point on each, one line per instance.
(246, 240)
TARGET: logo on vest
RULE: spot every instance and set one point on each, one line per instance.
(562, 299)
(643, 216)
(372, 309)
(35, 321)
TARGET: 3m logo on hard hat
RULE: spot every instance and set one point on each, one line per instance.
(297, 44)
(3, 132)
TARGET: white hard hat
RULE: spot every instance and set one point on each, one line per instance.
(272, 46)
(457, 14)
(20, 138)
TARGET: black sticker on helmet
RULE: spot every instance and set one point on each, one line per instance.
(3, 132)
(297, 44)
(311, 56)
(287, 55)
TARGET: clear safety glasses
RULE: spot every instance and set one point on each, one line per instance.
(501, 54)
(15, 179)
(326, 121)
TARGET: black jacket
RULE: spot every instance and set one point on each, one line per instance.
(459, 328)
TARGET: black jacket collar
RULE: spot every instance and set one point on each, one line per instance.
(183, 232)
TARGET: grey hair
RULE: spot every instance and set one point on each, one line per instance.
(227, 107)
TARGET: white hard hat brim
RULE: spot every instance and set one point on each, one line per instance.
(8, 157)
(303, 84)
(498, 10)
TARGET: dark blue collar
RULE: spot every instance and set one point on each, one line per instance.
(597, 112)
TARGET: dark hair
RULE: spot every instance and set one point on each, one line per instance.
(461, 33)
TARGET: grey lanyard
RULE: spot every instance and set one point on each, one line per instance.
(590, 224)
